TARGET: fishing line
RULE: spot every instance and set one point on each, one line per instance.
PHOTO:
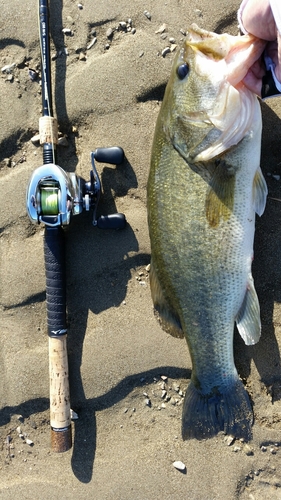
(49, 201)
(46, 89)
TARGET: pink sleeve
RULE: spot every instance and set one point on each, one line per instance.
(276, 11)
(239, 16)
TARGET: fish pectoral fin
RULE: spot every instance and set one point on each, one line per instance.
(248, 319)
(168, 318)
(259, 192)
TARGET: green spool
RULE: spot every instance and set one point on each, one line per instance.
(49, 201)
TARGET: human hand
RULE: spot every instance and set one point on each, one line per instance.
(258, 19)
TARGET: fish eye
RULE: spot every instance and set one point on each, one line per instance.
(182, 71)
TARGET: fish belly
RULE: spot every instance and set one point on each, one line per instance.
(200, 276)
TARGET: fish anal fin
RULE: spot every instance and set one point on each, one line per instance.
(248, 319)
(167, 317)
(259, 192)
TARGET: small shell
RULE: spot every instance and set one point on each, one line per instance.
(179, 465)
(161, 30)
(73, 415)
(91, 43)
(165, 51)
(67, 31)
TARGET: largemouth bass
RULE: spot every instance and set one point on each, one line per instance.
(204, 188)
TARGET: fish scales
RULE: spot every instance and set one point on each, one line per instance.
(204, 188)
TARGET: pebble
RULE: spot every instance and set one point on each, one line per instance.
(67, 31)
(80, 6)
(109, 33)
(162, 376)
(248, 450)
(173, 47)
(236, 449)
(229, 440)
(179, 465)
(7, 162)
(92, 43)
(147, 14)
(164, 394)
(82, 56)
(176, 387)
(263, 448)
(62, 141)
(133, 31)
(8, 68)
(29, 442)
(73, 415)
(33, 75)
(183, 32)
(148, 402)
(276, 177)
(162, 28)
(148, 269)
(165, 51)
(123, 25)
(35, 139)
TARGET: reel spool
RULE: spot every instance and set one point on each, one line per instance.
(51, 196)
(49, 200)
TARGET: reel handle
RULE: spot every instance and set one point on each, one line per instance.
(61, 438)
(113, 221)
(114, 155)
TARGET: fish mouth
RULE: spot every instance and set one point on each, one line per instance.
(238, 52)
(220, 63)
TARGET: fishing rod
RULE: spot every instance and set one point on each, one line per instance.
(53, 198)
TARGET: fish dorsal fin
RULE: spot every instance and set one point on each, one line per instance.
(259, 192)
(248, 318)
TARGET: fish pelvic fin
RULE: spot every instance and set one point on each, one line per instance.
(259, 192)
(248, 318)
(226, 410)
(164, 312)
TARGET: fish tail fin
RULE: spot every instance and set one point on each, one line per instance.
(168, 319)
(228, 410)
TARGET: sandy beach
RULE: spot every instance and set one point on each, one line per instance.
(109, 93)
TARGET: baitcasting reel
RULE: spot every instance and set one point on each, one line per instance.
(53, 195)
